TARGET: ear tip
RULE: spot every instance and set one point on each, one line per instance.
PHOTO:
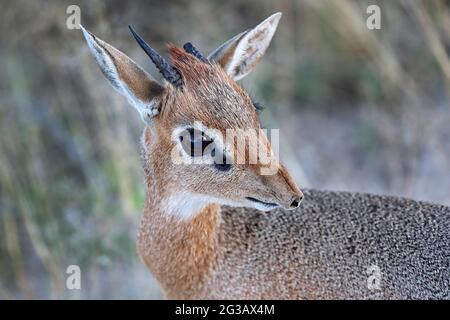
(87, 34)
(276, 16)
(272, 20)
(83, 29)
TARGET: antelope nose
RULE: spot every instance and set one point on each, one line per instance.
(295, 203)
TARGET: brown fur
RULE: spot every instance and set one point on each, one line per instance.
(137, 80)
(321, 250)
(199, 249)
(183, 254)
(180, 260)
(184, 251)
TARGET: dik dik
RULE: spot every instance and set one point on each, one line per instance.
(205, 232)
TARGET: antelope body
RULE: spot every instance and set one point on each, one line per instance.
(225, 230)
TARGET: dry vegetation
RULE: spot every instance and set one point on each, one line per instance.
(358, 110)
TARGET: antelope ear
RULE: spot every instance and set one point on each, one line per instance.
(126, 77)
(239, 55)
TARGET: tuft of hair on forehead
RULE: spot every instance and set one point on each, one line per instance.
(179, 56)
(192, 69)
(212, 87)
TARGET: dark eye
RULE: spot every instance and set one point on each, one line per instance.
(194, 142)
(197, 144)
(223, 165)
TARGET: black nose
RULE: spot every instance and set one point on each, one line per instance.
(296, 202)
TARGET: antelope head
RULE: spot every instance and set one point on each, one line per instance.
(200, 112)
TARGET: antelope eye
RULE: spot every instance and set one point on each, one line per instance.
(195, 142)
(221, 162)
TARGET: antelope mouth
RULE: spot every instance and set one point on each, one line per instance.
(266, 204)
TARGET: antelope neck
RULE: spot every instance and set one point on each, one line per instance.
(179, 242)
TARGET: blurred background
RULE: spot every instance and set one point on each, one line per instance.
(358, 109)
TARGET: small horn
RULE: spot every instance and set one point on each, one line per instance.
(189, 48)
(168, 72)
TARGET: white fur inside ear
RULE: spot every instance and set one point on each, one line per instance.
(146, 109)
(103, 59)
(148, 112)
(252, 47)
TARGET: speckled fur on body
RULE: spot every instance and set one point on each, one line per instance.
(198, 247)
(323, 249)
